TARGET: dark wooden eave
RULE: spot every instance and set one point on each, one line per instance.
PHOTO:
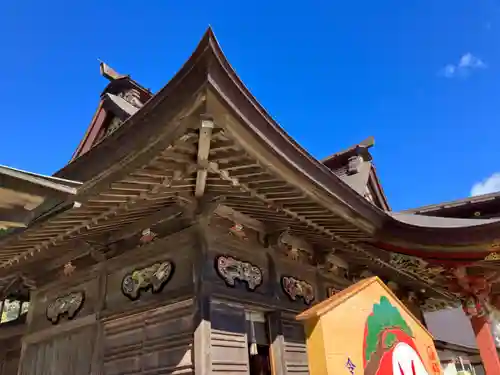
(153, 161)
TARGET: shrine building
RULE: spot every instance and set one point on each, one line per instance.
(189, 229)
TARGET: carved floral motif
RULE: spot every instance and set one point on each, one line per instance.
(416, 267)
(68, 304)
(295, 288)
(231, 269)
(473, 307)
(154, 277)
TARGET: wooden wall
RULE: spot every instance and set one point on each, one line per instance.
(159, 333)
(69, 353)
(228, 339)
(294, 350)
(11, 352)
(10, 362)
(112, 334)
(157, 341)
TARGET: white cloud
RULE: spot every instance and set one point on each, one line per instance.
(449, 70)
(488, 185)
(465, 64)
(470, 61)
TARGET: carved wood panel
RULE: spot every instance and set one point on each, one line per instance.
(157, 341)
(228, 339)
(47, 311)
(179, 281)
(70, 353)
(255, 258)
(297, 284)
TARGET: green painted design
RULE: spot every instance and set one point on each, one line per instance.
(384, 316)
(389, 339)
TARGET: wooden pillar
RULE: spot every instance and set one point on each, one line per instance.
(202, 318)
(486, 344)
(277, 343)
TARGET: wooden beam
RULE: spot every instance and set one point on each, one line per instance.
(38, 185)
(239, 218)
(164, 214)
(204, 140)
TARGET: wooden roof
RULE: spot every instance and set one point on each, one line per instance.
(480, 206)
(166, 154)
(22, 193)
(364, 180)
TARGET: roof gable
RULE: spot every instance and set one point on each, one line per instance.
(121, 99)
(355, 167)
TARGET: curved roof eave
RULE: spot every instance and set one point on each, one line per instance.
(266, 131)
(440, 233)
(208, 65)
(415, 229)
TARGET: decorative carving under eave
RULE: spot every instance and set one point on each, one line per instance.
(238, 231)
(336, 265)
(416, 267)
(147, 236)
(68, 269)
(433, 304)
(231, 269)
(68, 304)
(495, 245)
(294, 247)
(474, 307)
(154, 276)
(295, 288)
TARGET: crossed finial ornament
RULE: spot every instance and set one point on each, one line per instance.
(68, 269)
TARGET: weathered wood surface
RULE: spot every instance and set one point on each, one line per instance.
(277, 341)
(195, 324)
(9, 355)
(228, 341)
(88, 284)
(70, 353)
(295, 353)
(10, 362)
(158, 341)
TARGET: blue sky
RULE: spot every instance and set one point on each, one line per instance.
(421, 76)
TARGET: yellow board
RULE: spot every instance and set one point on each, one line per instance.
(366, 330)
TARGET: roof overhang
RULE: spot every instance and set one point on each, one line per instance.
(23, 193)
(331, 212)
